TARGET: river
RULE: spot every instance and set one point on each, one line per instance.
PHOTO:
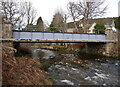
(70, 69)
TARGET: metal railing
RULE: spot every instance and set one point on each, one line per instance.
(57, 36)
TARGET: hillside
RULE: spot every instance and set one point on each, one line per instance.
(96, 20)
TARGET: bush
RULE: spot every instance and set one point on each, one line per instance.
(99, 29)
(117, 23)
(45, 66)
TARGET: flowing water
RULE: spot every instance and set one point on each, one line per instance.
(70, 69)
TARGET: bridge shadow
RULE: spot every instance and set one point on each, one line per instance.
(23, 51)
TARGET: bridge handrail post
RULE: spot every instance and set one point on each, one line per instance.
(31, 35)
(19, 35)
(43, 36)
(72, 37)
(63, 36)
(80, 36)
(53, 35)
(96, 37)
(88, 36)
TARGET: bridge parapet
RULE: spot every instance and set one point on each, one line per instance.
(57, 36)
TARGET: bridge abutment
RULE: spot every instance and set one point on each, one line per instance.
(112, 48)
(106, 49)
(96, 48)
(103, 49)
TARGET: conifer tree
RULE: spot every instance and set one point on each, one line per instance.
(40, 24)
(57, 23)
(117, 23)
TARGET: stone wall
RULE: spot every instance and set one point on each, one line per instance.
(119, 44)
(94, 48)
(112, 48)
(0, 26)
(111, 35)
(6, 31)
(106, 49)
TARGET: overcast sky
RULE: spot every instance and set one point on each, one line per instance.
(47, 8)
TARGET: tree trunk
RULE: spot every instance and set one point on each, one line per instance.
(75, 25)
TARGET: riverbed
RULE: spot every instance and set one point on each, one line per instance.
(71, 69)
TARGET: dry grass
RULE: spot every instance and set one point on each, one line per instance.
(22, 71)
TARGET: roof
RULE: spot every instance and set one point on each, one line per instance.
(105, 21)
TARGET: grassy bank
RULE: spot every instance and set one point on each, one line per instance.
(22, 70)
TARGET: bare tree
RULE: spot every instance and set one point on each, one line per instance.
(18, 13)
(31, 13)
(12, 11)
(65, 21)
(87, 10)
(73, 13)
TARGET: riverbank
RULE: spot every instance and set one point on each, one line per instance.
(22, 70)
(66, 67)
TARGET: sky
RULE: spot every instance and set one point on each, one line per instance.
(47, 8)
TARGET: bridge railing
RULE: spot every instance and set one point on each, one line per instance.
(56, 36)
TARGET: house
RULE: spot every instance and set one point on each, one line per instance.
(31, 27)
(111, 27)
(38, 27)
(91, 28)
(73, 30)
(107, 22)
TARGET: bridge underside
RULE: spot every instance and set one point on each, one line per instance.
(56, 41)
(102, 47)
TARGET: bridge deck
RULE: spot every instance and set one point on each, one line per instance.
(55, 41)
(55, 37)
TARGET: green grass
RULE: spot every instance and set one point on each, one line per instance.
(59, 47)
(52, 76)
(45, 66)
